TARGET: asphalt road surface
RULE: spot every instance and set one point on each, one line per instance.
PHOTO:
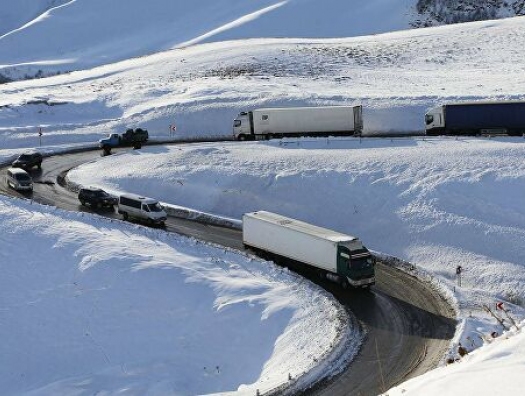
(408, 326)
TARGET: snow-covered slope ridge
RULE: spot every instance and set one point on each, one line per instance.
(43, 37)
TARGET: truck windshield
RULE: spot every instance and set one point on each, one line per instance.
(237, 123)
(429, 118)
(362, 262)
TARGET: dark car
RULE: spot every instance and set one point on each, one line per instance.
(28, 161)
(96, 198)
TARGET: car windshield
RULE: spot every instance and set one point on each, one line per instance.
(154, 207)
(23, 177)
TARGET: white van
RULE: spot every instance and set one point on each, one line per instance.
(19, 179)
(141, 208)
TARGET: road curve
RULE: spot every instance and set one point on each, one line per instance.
(408, 325)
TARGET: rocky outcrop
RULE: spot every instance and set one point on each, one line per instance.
(442, 12)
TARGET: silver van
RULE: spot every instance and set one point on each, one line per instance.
(141, 208)
(19, 179)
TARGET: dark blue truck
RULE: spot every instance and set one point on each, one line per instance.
(477, 118)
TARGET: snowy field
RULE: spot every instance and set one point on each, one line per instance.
(79, 308)
(132, 28)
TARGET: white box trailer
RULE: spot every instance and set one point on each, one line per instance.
(339, 257)
(267, 123)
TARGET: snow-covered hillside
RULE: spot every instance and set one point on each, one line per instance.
(20, 13)
(434, 202)
(61, 36)
(82, 34)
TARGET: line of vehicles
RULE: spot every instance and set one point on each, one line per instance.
(335, 256)
(130, 206)
(18, 177)
(468, 118)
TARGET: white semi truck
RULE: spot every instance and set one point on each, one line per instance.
(338, 257)
(264, 124)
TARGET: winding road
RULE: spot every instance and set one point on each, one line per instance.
(408, 325)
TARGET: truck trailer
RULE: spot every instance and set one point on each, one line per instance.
(338, 257)
(476, 118)
(264, 124)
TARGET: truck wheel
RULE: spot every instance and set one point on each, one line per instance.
(241, 138)
(269, 136)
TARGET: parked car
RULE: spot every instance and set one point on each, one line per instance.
(28, 161)
(141, 208)
(19, 179)
(96, 198)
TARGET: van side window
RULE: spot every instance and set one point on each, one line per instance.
(145, 208)
(130, 202)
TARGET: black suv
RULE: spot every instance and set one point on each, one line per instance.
(29, 160)
(96, 198)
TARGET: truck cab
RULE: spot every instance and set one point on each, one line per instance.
(243, 126)
(435, 120)
(356, 264)
(113, 140)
